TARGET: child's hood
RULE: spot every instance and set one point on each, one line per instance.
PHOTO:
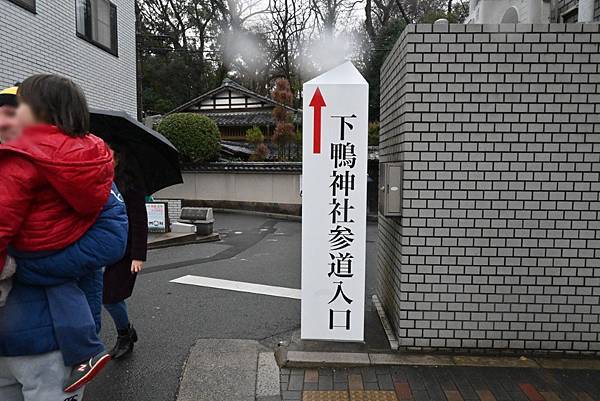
(80, 169)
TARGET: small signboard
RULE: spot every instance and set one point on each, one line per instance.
(158, 217)
(334, 205)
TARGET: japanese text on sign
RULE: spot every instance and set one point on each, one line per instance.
(334, 205)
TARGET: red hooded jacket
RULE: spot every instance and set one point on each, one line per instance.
(53, 188)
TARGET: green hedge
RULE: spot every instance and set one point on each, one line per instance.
(194, 135)
(374, 133)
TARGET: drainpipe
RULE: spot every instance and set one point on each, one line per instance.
(585, 13)
(534, 9)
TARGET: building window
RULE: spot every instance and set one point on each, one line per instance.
(97, 23)
(570, 16)
(511, 16)
(26, 4)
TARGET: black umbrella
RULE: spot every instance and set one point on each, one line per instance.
(157, 157)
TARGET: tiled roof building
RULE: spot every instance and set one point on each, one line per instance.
(235, 109)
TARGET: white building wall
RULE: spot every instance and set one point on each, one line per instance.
(247, 187)
(492, 11)
(46, 42)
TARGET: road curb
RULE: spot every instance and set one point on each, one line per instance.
(310, 359)
(387, 326)
(278, 216)
(183, 240)
(267, 378)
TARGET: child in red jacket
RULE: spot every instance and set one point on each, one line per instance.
(55, 179)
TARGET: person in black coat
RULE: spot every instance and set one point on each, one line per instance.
(119, 279)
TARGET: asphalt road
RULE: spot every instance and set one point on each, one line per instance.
(170, 317)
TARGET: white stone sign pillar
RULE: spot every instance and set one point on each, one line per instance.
(334, 205)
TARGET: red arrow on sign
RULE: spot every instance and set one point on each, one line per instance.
(317, 102)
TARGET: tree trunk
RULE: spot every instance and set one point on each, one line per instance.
(404, 16)
(369, 22)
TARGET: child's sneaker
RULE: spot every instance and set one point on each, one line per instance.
(84, 372)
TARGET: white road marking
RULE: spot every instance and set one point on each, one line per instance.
(240, 286)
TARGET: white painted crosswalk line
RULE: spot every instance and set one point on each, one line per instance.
(239, 286)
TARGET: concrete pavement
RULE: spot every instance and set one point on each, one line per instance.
(171, 318)
(205, 344)
(230, 370)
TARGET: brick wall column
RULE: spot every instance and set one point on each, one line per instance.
(498, 131)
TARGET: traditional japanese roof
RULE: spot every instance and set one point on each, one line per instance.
(231, 100)
(247, 118)
(246, 167)
(236, 148)
(260, 118)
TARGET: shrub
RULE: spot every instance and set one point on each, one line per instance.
(194, 135)
(374, 134)
(255, 136)
(284, 133)
(260, 154)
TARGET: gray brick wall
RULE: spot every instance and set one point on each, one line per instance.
(46, 42)
(498, 246)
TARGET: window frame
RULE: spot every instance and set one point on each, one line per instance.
(571, 12)
(87, 36)
(25, 5)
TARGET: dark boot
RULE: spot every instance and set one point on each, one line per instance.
(125, 341)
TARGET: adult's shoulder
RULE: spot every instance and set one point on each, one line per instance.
(16, 165)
